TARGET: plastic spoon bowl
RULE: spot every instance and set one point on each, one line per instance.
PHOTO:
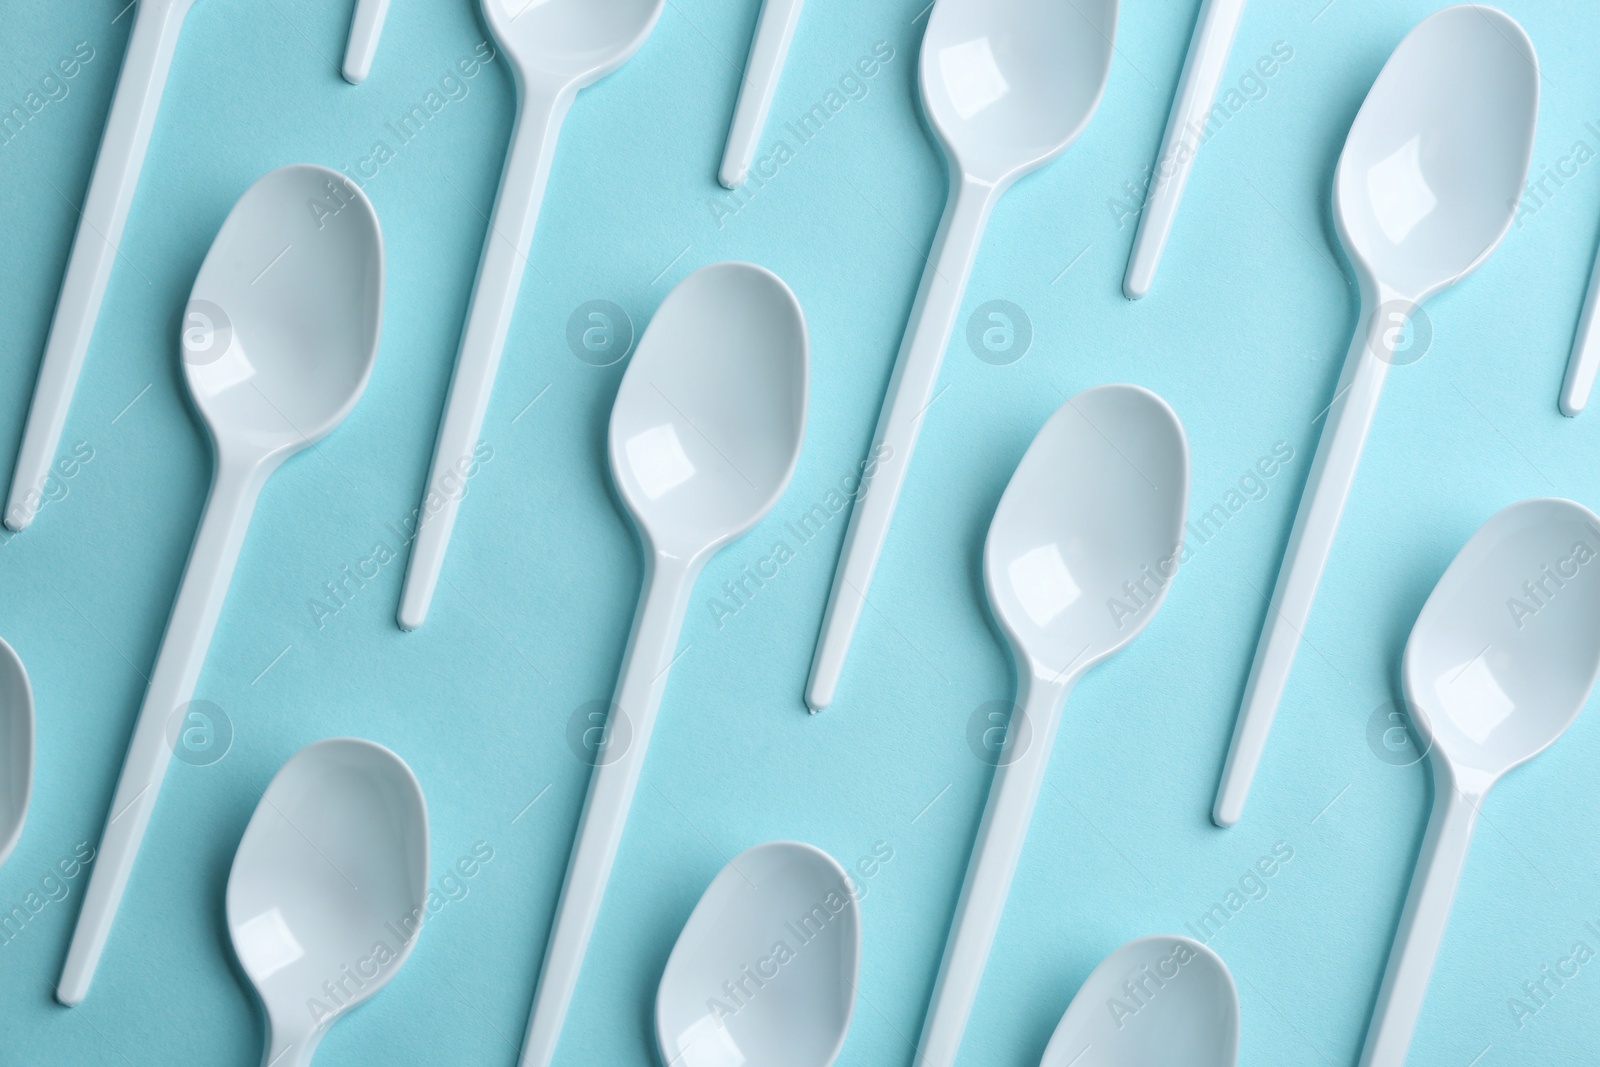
(278, 341)
(557, 47)
(328, 889)
(704, 436)
(1500, 662)
(1154, 1002)
(1007, 85)
(1080, 554)
(1426, 188)
(16, 748)
(145, 66)
(731, 994)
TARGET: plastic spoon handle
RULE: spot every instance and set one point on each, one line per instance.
(1585, 358)
(234, 489)
(1422, 925)
(1017, 780)
(94, 246)
(651, 646)
(1333, 471)
(364, 30)
(916, 371)
(1197, 90)
(494, 298)
(774, 31)
(292, 1044)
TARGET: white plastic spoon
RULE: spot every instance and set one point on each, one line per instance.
(1080, 553)
(16, 748)
(365, 27)
(1007, 85)
(278, 340)
(704, 436)
(1214, 32)
(765, 970)
(1154, 1002)
(1426, 188)
(94, 247)
(1500, 662)
(328, 889)
(557, 47)
(774, 31)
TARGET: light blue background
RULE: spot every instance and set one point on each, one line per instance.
(1244, 334)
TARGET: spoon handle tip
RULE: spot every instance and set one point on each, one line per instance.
(1585, 358)
(1141, 273)
(1269, 674)
(908, 398)
(365, 28)
(422, 571)
(1227, 810)
(1349, 419)
(1203, 68)
(95, 251)
(828, 661)
(166, 709)
(506, 245)
(774, 31)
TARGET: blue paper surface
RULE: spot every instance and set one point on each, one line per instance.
(1243, 333)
